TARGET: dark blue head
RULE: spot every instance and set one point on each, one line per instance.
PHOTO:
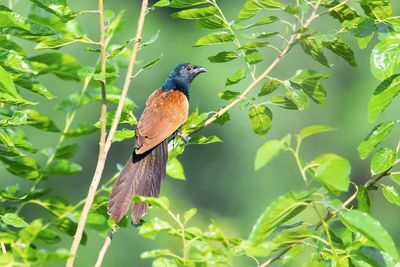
(182, 77)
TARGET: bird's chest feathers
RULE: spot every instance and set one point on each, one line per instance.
(172, 100)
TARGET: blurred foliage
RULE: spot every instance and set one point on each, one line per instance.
(52, 43)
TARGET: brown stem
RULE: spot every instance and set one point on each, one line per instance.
(105, 144)
(104, 249)
(103, 131)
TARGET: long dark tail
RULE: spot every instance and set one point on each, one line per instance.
(142, 175)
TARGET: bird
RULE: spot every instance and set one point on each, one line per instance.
(166, 110)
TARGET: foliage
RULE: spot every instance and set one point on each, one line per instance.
(345, 234)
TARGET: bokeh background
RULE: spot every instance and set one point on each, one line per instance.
(221, 181)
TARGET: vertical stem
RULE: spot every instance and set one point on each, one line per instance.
(102, 154)
(104, 249)
(104, 148)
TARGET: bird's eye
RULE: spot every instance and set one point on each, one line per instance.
(189, 68)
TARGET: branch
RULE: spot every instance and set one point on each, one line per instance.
(293, 39)
(104, 249)
(105, 144)
(370, 183)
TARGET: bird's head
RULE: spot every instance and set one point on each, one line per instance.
(182, 76)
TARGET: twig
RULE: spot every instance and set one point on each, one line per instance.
(103, 154)
(104, 249)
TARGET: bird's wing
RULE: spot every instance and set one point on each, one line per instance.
(165, 112)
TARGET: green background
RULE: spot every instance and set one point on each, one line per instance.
(221, 181)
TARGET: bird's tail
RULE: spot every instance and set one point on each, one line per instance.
(142, 175)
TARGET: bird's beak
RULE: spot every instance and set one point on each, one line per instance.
(200, 70)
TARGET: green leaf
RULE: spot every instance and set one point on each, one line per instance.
(57, 7)
(292, 9)
(14, 24)
(268, 151)
(48, 236)
(165, 262)
(189, 214)
(161, 202)
(62, 167)
(362, 28)
(155, 253)
(123, 134)
(212, 22)
(28, 234)
(215, 38)
(260, 119)
(9, 148)
(67, 151)
(269, 87)
(363, 199)
(203, 140)
(63, 66)
(195, 13)
(223, 57)
(151, 228)
(297, 95)
(8, 92)
(228, 95)
(175, 169)
(14, 220)
(314, 129)
(374, 138)
(152, 39)
(81, 130)
(252, 56)
(333, 172)
(278, 212)
(37, 120)
(312, 48)
(385, 57)
(13, 61)
(263, 21)
(283, 102)
(252, 7)
(261, 35)
(152, 63)
(253, 45)
(30, 83)
(371, 229)
(310, 82)
(342, 12)
(391, 194)
(194, 122)
(383, 96)
(56, 42)
(383, 160)
(68, 227)
(221, 120)
(22, 166)
(378, 9)
(236, 77)
(343, 50)
(186, 3)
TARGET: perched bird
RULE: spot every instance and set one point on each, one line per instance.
(166, 110)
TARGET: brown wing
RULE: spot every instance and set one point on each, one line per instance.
(165, 112)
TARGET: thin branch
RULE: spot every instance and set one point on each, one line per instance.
(104, 249)
(103, 153)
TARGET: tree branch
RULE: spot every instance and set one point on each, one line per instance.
(105, 144)
(104, 249)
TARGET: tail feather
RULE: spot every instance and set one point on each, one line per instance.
(142, 175)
